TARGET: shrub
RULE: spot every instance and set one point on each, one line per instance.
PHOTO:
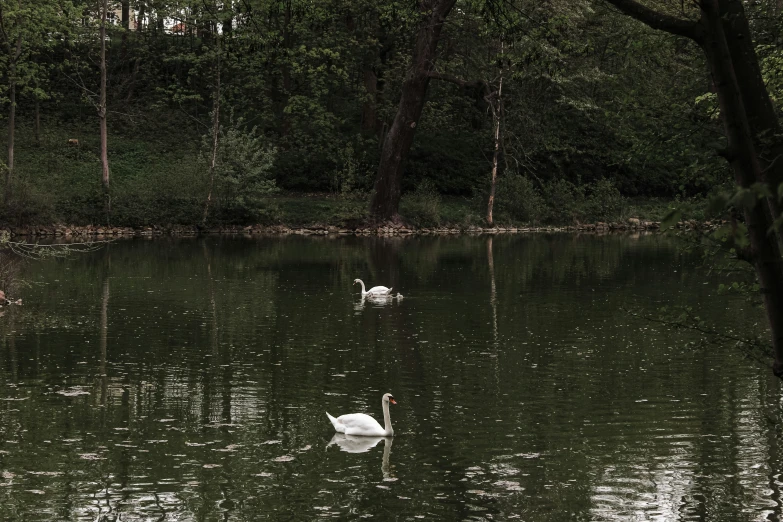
(564, 201)
(422, 207)
(517, 199)
(603, 202)
(243, 174)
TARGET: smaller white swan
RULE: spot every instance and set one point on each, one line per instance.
(374, 291)
(364, 425)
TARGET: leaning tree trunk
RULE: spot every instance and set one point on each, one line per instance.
(764, 124)
(397, 144)
(764, 249)
(723, 35)
(102, 114)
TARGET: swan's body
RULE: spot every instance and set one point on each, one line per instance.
(364, 425)
(374, 291)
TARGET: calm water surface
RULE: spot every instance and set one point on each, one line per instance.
(188, 379)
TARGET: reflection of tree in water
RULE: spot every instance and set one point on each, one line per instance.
(225, 351)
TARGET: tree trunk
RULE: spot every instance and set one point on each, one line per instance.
(497, 113)
(102, 113)
(764, 124)
(764, 249)
(11, 117)
(728, 56)
(11, 131)
(397, 144)
(215, 134)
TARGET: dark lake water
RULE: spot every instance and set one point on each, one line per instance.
(188, 379)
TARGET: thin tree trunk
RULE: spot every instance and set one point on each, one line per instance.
(11, 118)
(215, 134)
(102, 113)
(764, 252)
(497, 113)
(397, 145)
(11, 131)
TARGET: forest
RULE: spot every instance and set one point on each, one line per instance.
(183, 112)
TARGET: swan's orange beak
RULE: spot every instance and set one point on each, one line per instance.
(391, 400)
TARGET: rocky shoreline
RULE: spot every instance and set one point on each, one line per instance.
(389, 229)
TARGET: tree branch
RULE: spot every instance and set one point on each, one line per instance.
(660, 21)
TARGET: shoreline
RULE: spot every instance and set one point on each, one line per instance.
(383, 230)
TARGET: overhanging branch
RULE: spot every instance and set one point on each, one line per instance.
(660, 21)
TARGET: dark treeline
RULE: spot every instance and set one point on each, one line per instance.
(570, 103)
(551, 112)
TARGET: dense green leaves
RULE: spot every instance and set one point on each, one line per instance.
(588, 95)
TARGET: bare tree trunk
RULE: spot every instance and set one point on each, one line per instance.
(102, 114)
(397, 144)
(497, 114)
(215, 133)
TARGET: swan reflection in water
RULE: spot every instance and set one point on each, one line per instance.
(377, 301)
(356, 444)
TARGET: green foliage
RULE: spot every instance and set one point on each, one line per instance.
(421, 207)
(243, 174)
(517, 200)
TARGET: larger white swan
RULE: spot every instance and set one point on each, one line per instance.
(364, 425)
(374, 291)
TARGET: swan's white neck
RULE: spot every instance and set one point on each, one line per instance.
(387, 427)
(362, 283)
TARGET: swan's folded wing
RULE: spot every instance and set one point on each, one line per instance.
(357, 420)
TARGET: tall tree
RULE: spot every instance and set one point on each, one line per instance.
(719, 28)
(26, 29)
(102, 110)
(398, 141)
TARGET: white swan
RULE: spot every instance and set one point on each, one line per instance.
(364, 425)
(374, 291)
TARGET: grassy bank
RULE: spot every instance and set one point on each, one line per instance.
(165, 182)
